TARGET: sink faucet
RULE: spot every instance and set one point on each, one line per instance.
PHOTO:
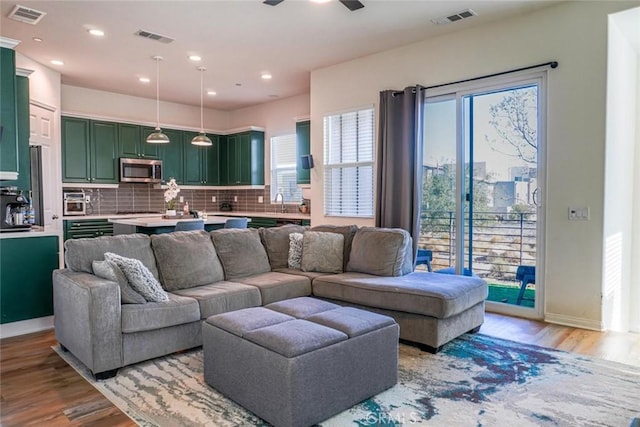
(280, 198)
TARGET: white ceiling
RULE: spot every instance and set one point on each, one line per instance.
(237, 40)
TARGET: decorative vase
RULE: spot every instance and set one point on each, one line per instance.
(170, 212)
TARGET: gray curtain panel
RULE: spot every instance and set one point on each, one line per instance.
(399, 172)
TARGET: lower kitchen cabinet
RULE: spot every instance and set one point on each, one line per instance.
(78, 228)
(26, 290)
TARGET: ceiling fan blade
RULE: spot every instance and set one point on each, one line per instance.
(352, 4)
(272, 2)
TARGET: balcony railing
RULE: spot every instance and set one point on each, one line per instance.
(500, 241)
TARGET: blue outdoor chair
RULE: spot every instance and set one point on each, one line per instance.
(236, 223)
(525, 274)
(425, 256)
(197, 224)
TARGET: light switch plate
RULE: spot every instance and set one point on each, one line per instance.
(235, 198)
(260, 199)
(181, 199)
(213, 199)
(579, 213)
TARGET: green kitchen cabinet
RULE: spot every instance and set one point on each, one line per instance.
(26, 290)
(104, 152)
(244, 155)
(22, 110)
(89, 151)
(303, 148)
(76, 150)
(201, 163)
(171, 154)
(8, 115)
(132, 142)
(81, 228)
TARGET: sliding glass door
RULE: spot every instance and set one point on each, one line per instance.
(482, 186)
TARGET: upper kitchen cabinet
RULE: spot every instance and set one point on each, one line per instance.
(171, 154)
(242, 157)
(132, 142)
(303, 148)
(89, 151)
(201, 163)
(8, 116)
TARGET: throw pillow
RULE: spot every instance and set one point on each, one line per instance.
(186, 260)
(276, 242)
(295, 250)
(109, 270)
(241, 252)
(381, 252)
(322, 252)
(348, 231)
(140, 278)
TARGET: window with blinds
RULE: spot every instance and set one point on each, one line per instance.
(283, 168)
(348, 164)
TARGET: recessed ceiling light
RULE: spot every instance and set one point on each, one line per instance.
(211, 92)
(144, 79)
(96, 32)
(266, 76)
(195, 58)
(57, 62)
(37, 39)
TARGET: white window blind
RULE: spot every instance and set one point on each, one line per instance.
(348, 164)
(283, 168)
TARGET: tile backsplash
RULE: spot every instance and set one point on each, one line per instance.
(142, 198)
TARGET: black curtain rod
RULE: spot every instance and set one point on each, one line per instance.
(552, 64)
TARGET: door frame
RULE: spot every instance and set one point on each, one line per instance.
(495, 84)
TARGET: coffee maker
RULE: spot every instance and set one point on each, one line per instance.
(12, 210)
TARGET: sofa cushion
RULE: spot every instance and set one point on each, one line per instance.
(79, 254)
(186, 259)
(310, 274)
(109, 270)
(278, 286)
(348, 231)
(241, 252)
(276, 242)
(177, 310)
(322, 252)
(295, 251)
(223, 296)
(381, 251)
(429, 294)
(139, 276)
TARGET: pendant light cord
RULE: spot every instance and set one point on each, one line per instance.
(157, 58)
(202, 70)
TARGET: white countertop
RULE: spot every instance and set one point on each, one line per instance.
(286, 215)
(158, 221)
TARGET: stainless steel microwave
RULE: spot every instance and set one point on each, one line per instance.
(140, 170)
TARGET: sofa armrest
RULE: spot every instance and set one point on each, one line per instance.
(87, 318)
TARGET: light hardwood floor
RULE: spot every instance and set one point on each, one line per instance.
(38, 388)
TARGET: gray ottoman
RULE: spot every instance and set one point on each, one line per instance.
(300, 361)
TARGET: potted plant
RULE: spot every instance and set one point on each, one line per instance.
(170, 195)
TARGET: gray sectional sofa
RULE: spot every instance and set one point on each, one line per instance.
(205, 274)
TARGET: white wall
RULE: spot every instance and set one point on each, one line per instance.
(44, 83)
(574, 34)
(634, 321)
(116, 106)
(619, 178)
(277, 117)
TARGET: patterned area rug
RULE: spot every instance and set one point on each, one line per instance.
(475, 380)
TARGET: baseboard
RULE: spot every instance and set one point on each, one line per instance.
(26, 327)
(576, 322)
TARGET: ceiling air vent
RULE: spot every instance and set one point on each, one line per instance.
(454, 17)
(153, 36)
(26, 15)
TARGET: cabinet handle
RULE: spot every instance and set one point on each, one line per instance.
(55, 217)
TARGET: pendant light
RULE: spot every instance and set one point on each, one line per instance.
(158, 137)
(201, 139)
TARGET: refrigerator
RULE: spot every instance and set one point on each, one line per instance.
(35, 152)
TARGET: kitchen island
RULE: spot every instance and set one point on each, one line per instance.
(158, 224)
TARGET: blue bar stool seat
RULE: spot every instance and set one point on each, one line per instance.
(525, 274)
